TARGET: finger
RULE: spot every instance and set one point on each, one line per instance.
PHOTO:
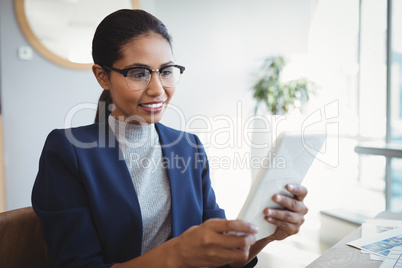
(205, 247)
(227, 240)
(287, 227)
(219, 247)
(238, 241)
(298, 190)
(224, 256)
(237, 226)
(290, 203)
(285, 216)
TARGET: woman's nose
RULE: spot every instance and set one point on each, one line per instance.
(155, 86)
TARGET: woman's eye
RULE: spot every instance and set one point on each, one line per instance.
(167, 72)
(138, 73)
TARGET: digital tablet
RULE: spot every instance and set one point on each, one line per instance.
(288, 161)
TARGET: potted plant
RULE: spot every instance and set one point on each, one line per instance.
(277, 96)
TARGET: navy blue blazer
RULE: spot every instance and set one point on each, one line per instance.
(86, 201)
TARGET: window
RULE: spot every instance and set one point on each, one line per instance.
(395, 101)
(380, 96)
(395, 72)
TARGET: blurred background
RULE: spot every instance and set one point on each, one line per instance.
(350, 49)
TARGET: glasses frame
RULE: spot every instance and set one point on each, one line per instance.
(125, 71)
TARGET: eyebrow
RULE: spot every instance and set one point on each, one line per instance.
(144, 65)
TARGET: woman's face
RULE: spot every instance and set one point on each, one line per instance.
(144, 106)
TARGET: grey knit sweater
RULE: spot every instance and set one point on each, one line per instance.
(143, 155)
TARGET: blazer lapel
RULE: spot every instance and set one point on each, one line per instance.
(126, 188)
(178, 156)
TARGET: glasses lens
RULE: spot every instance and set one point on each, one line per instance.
(170, 76)
(138, 78)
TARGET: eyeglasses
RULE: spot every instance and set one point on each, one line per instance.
(138, 77)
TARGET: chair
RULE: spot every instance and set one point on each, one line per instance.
(21, 241)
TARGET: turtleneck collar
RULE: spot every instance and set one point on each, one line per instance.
(134, 135)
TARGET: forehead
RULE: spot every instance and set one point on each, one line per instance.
(150, 49)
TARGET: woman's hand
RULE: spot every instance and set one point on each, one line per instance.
(291, 217)
(213, 244)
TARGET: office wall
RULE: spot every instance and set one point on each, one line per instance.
(221, 43)
(36, 95)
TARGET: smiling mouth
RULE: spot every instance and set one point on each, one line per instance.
(153, 105)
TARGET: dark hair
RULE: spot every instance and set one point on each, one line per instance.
(112, 34)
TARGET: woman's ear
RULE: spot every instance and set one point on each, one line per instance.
(102, 76)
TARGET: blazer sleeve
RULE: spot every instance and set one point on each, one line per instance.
(60, 201)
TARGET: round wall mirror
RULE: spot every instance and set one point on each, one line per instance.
(62, 30)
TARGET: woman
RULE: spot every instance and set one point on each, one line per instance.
(113, 194)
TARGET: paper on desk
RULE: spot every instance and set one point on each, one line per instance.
(373, 227)
(394, 258)
(380, 244)
(376, 226)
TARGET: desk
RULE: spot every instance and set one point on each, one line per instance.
(341, 255)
